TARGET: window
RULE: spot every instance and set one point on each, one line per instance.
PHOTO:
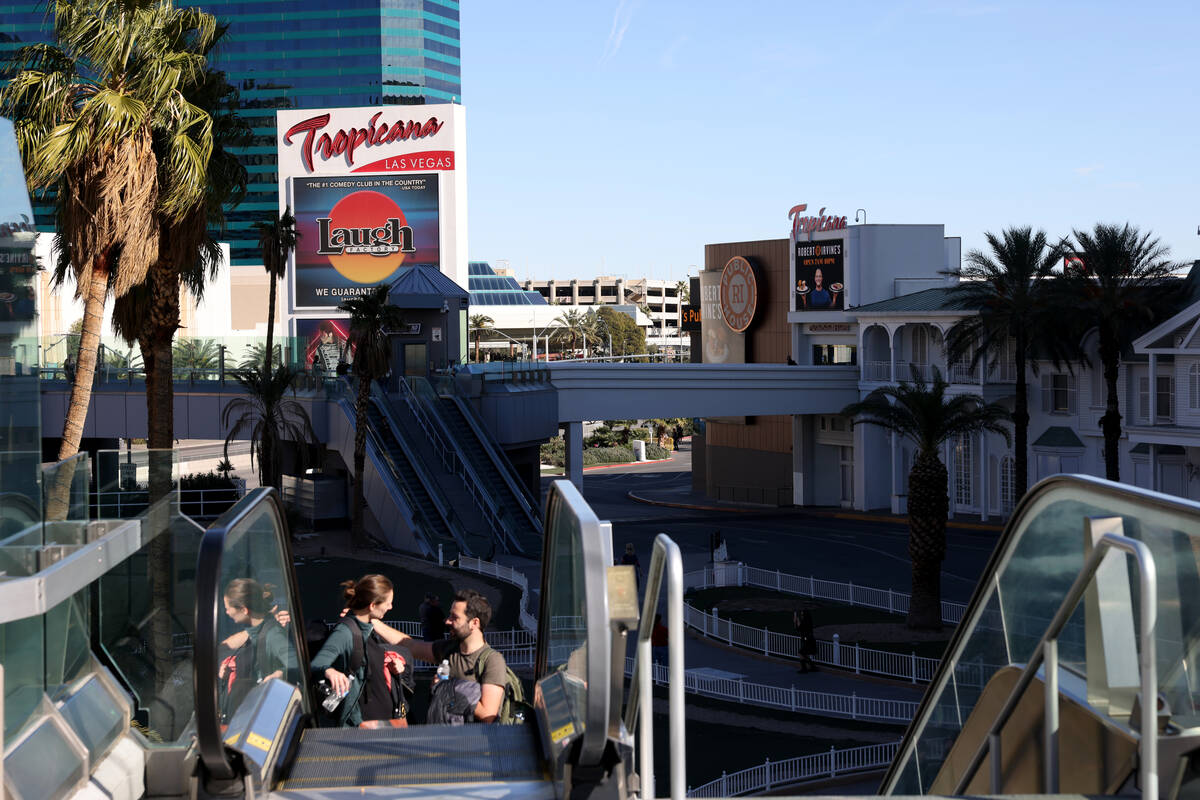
(847, 469)
(833, 354)
(1007, 485)
(963, 495)
(1194, 386)
(1164, 401)
(1058, 393)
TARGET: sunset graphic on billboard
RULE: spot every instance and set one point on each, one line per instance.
(356, 231)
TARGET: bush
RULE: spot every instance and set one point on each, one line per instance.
(205, 480)
(656, 453)
(606, 455)
(640, 433)
(554, 452)
(603, 436)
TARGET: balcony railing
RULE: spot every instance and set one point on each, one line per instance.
(877, 371)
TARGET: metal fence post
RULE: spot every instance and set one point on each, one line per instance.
(891, 608)
(792, 698)
(778, 580)
(837, 640)
(856, 672)
(854, 705)
(767, 775)
(913, 661)
(766, 641)
(832, 763)
(714, 620)
(851, 583)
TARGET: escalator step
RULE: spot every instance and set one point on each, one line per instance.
(423, 754)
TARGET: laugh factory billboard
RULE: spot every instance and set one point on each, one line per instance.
(373, 190)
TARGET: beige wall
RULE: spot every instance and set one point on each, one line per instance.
(250, 291)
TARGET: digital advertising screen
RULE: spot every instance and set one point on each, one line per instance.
(356, 231)
(325, 343)
(820, 275)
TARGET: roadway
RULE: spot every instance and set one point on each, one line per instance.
(794, 541)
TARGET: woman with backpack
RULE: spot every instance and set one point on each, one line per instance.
(354, 649)
(259, 651)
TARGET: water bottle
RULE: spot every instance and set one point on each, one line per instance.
(443, 671)
(332, 699)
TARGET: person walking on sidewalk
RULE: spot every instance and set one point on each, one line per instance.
(802, 622)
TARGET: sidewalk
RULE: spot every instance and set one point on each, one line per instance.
(686, 498)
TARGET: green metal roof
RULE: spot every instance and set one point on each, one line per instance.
(927, 300)
(1058, 436)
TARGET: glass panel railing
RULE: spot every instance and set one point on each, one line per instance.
(1035, 563)
(247, 617)
(574, 643)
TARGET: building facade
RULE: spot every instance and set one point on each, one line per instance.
(660, 300)
(890, 323)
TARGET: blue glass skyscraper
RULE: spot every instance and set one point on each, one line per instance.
(303, 54)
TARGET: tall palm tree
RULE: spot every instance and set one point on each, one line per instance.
(88, 111)
(256, 355)
(572, 325)
(1011, 291)
(192, 356)
(276, 239)
(1119, 292)
(370, 317)
(479, 324)
(268, 418)
(925, 415)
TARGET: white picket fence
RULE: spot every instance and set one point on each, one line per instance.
(777, 774)
(789, 698)
(909, 667)
(809, 586)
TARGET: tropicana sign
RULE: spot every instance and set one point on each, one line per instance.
(345, 142)
(810, 225)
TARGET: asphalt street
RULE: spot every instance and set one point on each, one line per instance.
(867, 552)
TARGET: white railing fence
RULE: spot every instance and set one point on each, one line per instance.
(809, 586)
(904, 666)
(843, 706)
(778, 774)
(508, 575)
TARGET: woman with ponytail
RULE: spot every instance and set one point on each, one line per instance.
(353, 649)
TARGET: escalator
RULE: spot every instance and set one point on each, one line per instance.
(267, 745)
(487, 461)
(1043, 687)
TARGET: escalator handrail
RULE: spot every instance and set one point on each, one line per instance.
(596, 558)
(208, 614)
(498, 460)
(435, 428)
(984, 586)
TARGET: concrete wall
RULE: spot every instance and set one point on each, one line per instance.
(748, 476)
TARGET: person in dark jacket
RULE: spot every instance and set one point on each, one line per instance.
(433, 619)
(803, 624)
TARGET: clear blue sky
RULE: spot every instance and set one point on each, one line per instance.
(622, 136)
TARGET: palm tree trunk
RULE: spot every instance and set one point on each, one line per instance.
(928, 506)
(476, 347)
(160, 417)
(268, 356)
(1021, 429)
(58, 500)
(1110, 423)
(358, 528)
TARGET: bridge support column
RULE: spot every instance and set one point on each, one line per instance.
(802, 459)
(574, 454)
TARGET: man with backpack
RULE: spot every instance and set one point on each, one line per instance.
(470, 658)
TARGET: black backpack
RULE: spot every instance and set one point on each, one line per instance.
(377, 699)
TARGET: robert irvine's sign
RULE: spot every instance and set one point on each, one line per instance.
(399, 169)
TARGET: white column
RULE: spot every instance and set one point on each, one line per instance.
(892, 354)
(984, 478)
(1155, 483)
(1153, 397)
(574, 454)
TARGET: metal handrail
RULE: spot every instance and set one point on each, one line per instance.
(665, 556)
(1046, 652)
(462, 467)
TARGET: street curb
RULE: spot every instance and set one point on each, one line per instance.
(861, 516)
(627, 464)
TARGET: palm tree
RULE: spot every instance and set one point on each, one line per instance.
(256, 355)
(1120, 290)
(573, 325)
(196, 356)
(1011, 291)
(268, 418)
(370, 317)
(88, 113)
(926, 416)
(480, 323)
(276, 239)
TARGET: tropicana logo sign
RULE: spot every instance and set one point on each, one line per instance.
(344, 142)
(809, 225)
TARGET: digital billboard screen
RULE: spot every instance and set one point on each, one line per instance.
(820, 275)
(356, 231)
